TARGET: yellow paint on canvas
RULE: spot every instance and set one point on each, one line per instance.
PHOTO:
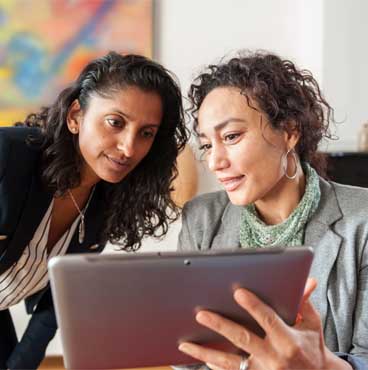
(8, 117)
(5, 73)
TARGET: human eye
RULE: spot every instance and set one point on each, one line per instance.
(204, 148)
(114, 122)
(231, 138)
(148, 133)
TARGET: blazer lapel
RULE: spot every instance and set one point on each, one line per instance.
(35, 207)
(227, 236)
(320, 235)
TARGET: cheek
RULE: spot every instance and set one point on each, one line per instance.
(91, 145)
(249, 156)
(144, 147)
(260, 162)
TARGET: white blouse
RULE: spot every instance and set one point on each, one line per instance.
(29, 274)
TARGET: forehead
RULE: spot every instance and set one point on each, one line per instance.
(130, 100)
(224, 103)
(127, 94)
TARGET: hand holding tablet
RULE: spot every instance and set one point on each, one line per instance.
(280, 337)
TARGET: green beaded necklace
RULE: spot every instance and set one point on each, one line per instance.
(254, 233)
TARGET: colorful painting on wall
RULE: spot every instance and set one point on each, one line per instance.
(45, 43)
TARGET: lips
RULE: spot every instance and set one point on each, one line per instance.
(117, 163)
(231, 183)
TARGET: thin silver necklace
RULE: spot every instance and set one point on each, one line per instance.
(82, 226)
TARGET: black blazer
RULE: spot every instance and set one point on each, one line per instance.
(23, 203)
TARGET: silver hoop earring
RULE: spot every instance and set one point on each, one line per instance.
(292, 177)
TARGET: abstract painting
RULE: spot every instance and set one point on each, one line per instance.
(44, 44)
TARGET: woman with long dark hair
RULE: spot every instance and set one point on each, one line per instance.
(96, 166)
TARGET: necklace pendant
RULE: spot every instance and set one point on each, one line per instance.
(81, 227)
(81, 231)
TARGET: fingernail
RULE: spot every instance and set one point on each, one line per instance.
(239, 292)
(199, 316)
(204, 318)
(183, 347)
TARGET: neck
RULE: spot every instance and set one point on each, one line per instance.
(83, 190)
(87, 184)
(281, 201)
(88, 177)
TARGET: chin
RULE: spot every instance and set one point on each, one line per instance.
(239, 199)
(113, 179)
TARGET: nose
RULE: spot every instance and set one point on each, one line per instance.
(217, 159)
(126, 144)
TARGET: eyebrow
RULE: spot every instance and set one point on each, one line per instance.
(125, 115)
(221, 125)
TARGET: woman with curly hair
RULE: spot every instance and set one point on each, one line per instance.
(95, 166)
(259, 120)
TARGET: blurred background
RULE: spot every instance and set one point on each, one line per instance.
(45, 43)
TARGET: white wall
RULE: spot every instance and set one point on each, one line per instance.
(345, 62)
(192, 33)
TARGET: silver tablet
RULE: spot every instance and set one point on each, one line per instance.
(132, 310)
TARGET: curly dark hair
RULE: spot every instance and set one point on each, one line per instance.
(140, 205)
(283, 92)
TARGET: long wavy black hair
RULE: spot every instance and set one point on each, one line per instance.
(282, 91)
(140, 205)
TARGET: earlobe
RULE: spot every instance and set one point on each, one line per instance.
(74, 117)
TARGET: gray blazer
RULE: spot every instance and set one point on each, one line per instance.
(338, 234)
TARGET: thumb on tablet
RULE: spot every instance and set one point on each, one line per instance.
(310, 285)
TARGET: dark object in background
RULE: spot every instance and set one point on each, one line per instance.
(350, 168)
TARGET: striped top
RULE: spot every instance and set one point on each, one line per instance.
(29, 274)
